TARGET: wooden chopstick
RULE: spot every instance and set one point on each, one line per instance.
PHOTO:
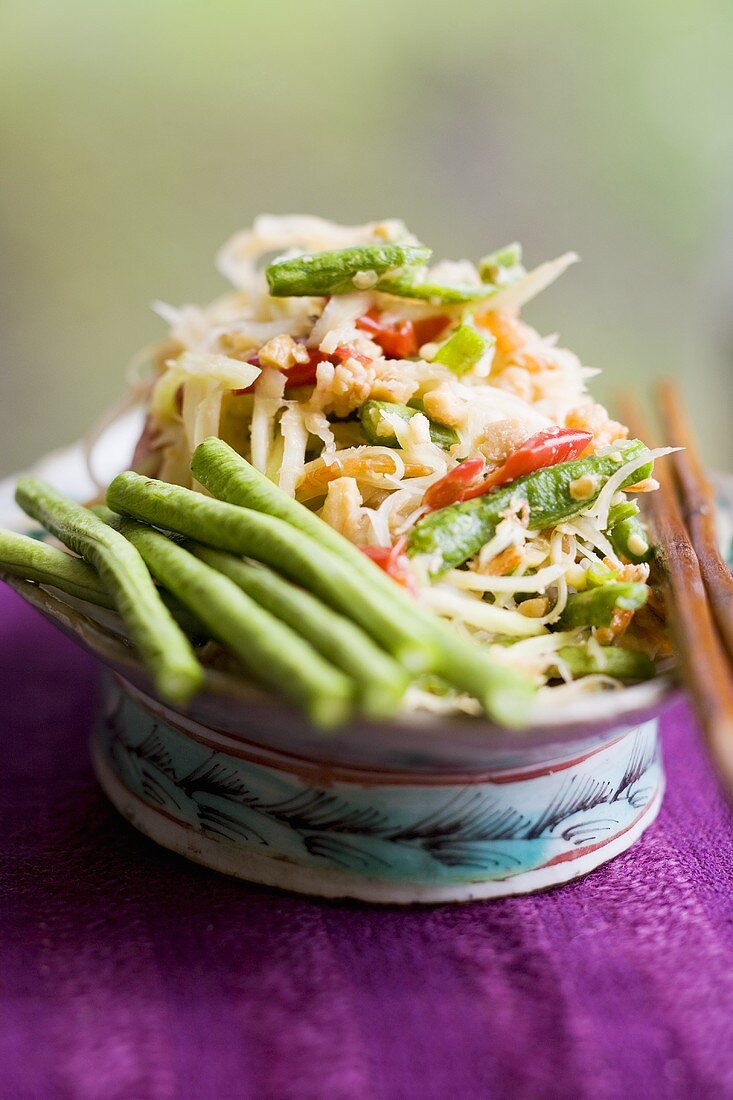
(698, 505)
(703, 662)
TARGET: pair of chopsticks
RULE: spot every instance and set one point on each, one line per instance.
(698, 583)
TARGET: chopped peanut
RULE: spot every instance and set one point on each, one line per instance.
(505, 562)
(534, 608)
(444, 405)
(393, 382)
(342, 505)
(500, 439)
(282, 352)
(351, 386)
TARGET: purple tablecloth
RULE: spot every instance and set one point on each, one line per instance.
(129, 974)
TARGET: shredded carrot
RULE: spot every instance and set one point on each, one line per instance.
(318, 474)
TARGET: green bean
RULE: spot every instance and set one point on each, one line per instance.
(596, 606)
(463, 350)
(21, 556)
(629, 540)
(405, 286)
(269, 540)
(624, 510)
(452, 535)
(504, 693)
(162, 646)
(440, 433)
(25, 557)
(598, 574)
(185, 618)
(333, 272)
(503, 266)
(381, 682)
(379, 432)
(262, 644)
(622, 664)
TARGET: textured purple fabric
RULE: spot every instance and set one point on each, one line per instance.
(128, 974)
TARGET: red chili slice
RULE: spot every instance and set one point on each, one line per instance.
(453, 487)
(428, 328)
(304, 374)
(393, 561)
(399, 339)
(546, 448)
(300, 374)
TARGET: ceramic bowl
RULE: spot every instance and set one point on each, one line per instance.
(421, 809)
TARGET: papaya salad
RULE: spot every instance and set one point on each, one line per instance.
(408, 405)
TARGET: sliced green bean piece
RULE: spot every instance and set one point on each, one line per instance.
(598, 574)
(269, 540)
(502, 267)
(454, 534)
(624, 510)
(21, 556)
(629, 540)
(333, 272)
(463, 350)
(162, 645)
(405, 285)
(505, 694)
(622, 664)
(381, 682)
(596, 606)
(267, 648)
(379, 432)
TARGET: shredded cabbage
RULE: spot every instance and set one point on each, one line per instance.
(300, 425)
(496, 620)
(604, 500)
(531, 284)
(268, 401)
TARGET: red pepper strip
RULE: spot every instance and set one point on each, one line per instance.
(456, 484)
(346, 351)
(301, 374)
(396, 338)
(393, 561)
(428, 328)
(304, 374)
(546, 448)
(400, 339)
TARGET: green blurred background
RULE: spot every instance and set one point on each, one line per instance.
(136, 136)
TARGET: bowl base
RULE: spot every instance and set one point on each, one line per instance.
(333, 884)
(384, 837)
